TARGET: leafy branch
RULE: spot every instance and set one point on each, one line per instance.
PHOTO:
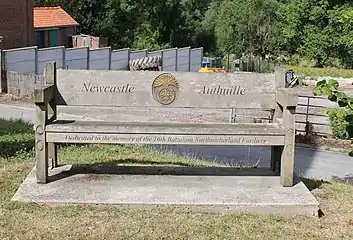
(330, 88)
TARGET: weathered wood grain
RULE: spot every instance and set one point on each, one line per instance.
(44, 94)
(258, 129)
(194, 139)
(276, 151)
(315, 111)
(316, 101)
(302, 118)
(50, 79)
(193, 89)
(287, 158)
(41, 144)
(286, 99)
(188, 90)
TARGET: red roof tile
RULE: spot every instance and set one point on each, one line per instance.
(52, 17)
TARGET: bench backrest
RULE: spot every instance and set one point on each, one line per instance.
(160, 89)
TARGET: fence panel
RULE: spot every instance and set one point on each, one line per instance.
(138, 54)
(21, 60)
(195, 59)
(169, 60)
(183, 61)
(99, 59)
(77, 58)
(120, 59)
(154, 54)
(56, 54)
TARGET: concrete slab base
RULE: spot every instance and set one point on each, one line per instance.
(206, 189)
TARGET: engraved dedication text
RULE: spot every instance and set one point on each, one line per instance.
(159, 139)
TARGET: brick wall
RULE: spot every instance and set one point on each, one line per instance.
(16, 23)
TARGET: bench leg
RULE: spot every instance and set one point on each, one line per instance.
(41, 146)
(53, 155)
(276, 154)
(287, 159)
(41, 161)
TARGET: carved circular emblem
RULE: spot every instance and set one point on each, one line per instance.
(165, 88)
(39, 145)
(289, 146)
(39, 129)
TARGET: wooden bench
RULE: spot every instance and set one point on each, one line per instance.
(88, 88)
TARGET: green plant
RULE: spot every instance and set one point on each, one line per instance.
(337, 122)
(342, 119)
(16, 138)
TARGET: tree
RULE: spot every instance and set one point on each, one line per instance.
(137, 23)
(247, 26)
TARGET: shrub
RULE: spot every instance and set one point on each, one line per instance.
(337, 122)
(342, 118)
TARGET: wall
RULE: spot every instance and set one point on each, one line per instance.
(33, 60)
(89, 41)
(23, 84)
(16, 23)
(64, 34)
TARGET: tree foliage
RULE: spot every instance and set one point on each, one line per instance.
(247, 26)
(318, 30)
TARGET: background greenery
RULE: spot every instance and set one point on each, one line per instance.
(297, 32)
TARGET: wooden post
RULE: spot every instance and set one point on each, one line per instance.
(42, 97)
(41, 146)
(276, 151)
(3, 81)
(50, 78)
(287, 158)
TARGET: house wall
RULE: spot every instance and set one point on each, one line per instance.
(62, 37)
(64, 34)
(16, 23)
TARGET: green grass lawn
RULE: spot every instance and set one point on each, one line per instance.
(39, 221)
(321, 72)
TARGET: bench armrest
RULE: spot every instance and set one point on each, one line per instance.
(44, 94)
(286, 98)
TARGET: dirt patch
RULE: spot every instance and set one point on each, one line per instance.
(6, 98)
(326, 142)
(95, 177)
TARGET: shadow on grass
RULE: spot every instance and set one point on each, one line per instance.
(313, 184)
(117, 163)
(159, 168)
(16, 136)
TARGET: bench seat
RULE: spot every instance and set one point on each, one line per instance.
(177, 133)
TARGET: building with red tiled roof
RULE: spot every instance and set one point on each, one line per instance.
(16, 23)
(53, 27)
